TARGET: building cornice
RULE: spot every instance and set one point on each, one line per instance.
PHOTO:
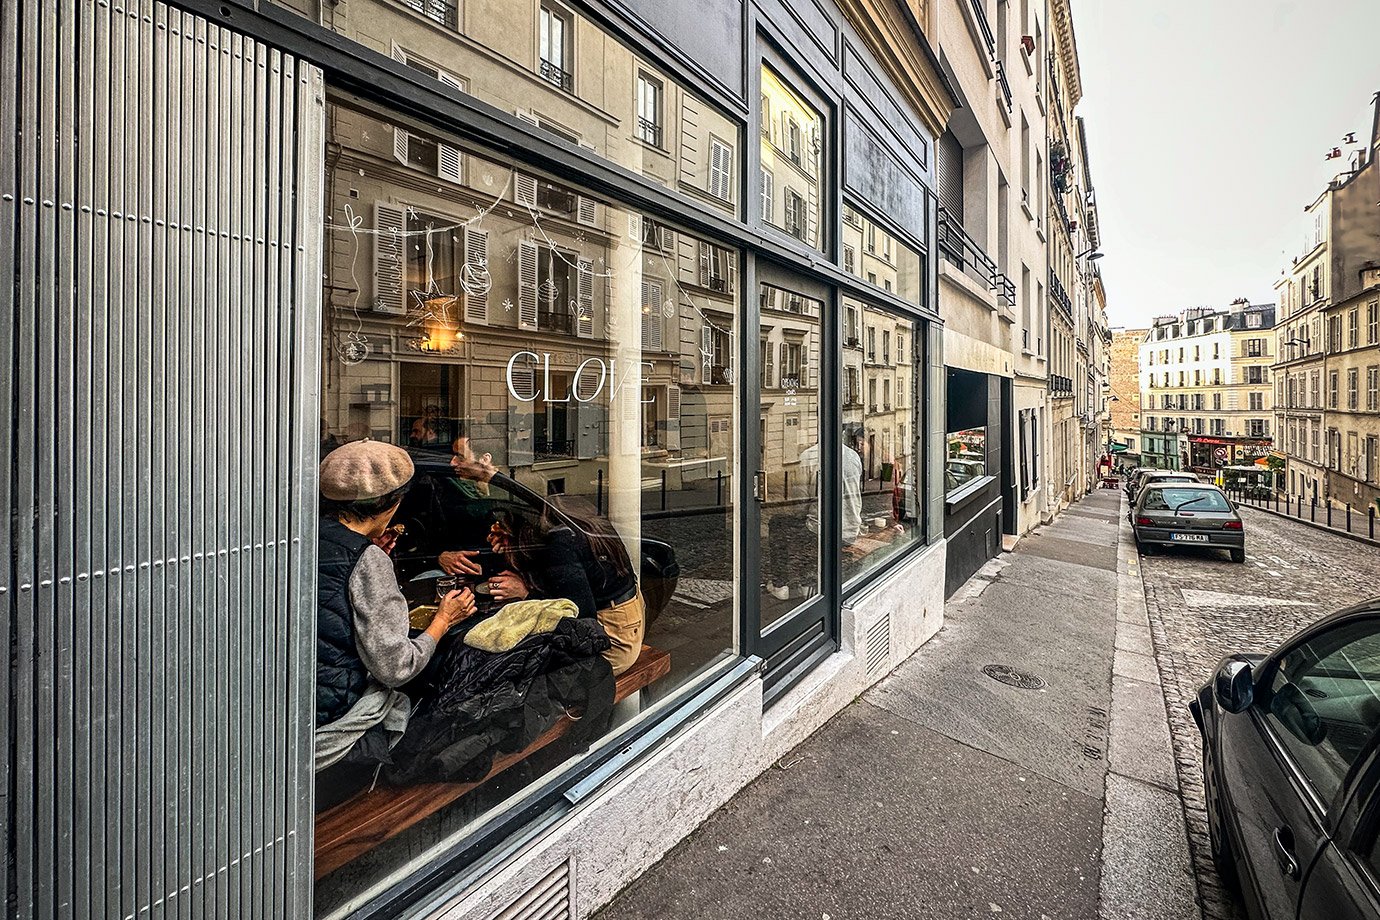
(1062, 23)
(896, 37)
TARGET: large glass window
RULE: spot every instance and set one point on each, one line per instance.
(879, 464)
(560, 370)
(792, 145)
(545, 63)
(789, 468)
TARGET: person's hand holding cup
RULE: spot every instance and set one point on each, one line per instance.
(454, 607)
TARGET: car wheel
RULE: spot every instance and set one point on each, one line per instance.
(1145, 549)
(1238, 555)
(1222, 858)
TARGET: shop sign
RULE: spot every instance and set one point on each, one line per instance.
(592, 377)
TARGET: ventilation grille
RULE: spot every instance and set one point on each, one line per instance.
(549, 899)
(878, 645)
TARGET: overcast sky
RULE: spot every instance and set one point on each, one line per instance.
(1207, 124)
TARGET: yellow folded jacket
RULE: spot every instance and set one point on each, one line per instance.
(517, 621)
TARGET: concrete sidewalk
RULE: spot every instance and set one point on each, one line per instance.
(945, 793)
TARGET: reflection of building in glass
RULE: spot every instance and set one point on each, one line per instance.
(790, 160)
(556, 69)
(516, 286)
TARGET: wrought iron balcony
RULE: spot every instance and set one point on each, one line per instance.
(556, 76)
(963, 251)
(1059, 296)
(984, 27)
(546, 448)
(446, 12)
(649, 131)
(1060, 386)
(1003, 84)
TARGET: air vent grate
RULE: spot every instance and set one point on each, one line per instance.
(878, 651)
(549, 899)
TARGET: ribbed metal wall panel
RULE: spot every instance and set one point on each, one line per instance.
(160, 192)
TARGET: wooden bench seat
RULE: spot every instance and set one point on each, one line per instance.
(362, 822)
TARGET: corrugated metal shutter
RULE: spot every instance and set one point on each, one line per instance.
(949, 168)
(161, 182)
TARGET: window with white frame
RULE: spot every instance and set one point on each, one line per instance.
(649, 109)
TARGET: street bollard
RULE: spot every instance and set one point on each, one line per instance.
(719, 489)
(1348, 517)
(599, 492)
(1370, 513)
(663, 490)
(1329, 512)
(1313, 509)
(1276, 503)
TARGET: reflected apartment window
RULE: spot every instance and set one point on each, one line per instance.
(554, 41)
(649, 95)
(720, 170)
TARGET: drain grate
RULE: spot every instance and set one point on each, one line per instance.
(1006, 674)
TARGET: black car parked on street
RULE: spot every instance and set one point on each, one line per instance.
(1291, 771)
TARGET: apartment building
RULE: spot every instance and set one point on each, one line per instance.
(1071, 211)
(1124, 387)
(1206, 393)
(1327, 376)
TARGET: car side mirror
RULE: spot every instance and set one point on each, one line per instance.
(1234, 686)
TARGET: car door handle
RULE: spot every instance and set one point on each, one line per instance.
(1284, 852)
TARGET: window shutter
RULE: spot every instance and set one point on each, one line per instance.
(634, 226)
(476, 259)
(771, 366)
(524, 189)
(949, 166)
(730, 267)
(585, 211)
(584, 323)
(390, 288)
(651, 315)
(704, 264)
(400, 144)
(527, 284)
(673, 417)
(768, 191)
(448, 163)
(706, 351)
(784, 361)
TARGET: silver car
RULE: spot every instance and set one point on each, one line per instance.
(1194, 514)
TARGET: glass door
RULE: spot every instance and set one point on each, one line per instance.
(794, 482)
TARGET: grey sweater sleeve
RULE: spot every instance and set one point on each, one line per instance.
(381, 622)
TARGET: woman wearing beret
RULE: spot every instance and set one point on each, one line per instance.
(362, 617)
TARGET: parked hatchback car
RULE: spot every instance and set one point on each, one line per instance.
(1173, 513)
(1291, 771)
(1159, 476)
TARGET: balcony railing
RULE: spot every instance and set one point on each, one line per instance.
(1003, 85)
(1060, 386)
(446, 12)
(556, 76)
(1060, 296)
(984, 27)
(649, 131)
(963, 251)
(546, 448)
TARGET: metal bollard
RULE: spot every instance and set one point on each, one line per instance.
(663, 490)
(599, 492)
(719, 489)
(1313, 509)
(1370, 513)
(1348, 517)
(1329, 512)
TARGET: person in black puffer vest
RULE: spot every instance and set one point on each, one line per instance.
(362, 618)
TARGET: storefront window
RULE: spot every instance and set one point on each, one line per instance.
(966, 459)
(552, 67)
(789, 467)
(792, 145)
(877, 257)
(560, 371)
(879, 464)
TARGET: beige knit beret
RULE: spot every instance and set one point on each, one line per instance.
(364, 469)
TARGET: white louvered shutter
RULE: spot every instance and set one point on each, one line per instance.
(634, 226)
(585, 211)
(706, 351)
(584, 323)
(673, 417)
(771, 367)
(399, 132)
(730, 269)
(651, 315)
(527, 284)
(390, 286)
(525, 189)
(449, 163)
(477, 257)
(704, 264)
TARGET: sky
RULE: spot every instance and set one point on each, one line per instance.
(1207, 124)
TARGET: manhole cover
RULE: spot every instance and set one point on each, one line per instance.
(1009, 675)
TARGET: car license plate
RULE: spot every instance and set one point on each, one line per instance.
(1189, 537)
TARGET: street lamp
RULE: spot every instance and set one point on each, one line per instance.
(1091, 253)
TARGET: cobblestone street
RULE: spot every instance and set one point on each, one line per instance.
(1202, 607)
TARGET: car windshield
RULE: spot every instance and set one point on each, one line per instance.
(1170, 498)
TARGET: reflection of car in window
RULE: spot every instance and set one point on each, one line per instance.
(443, 511)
